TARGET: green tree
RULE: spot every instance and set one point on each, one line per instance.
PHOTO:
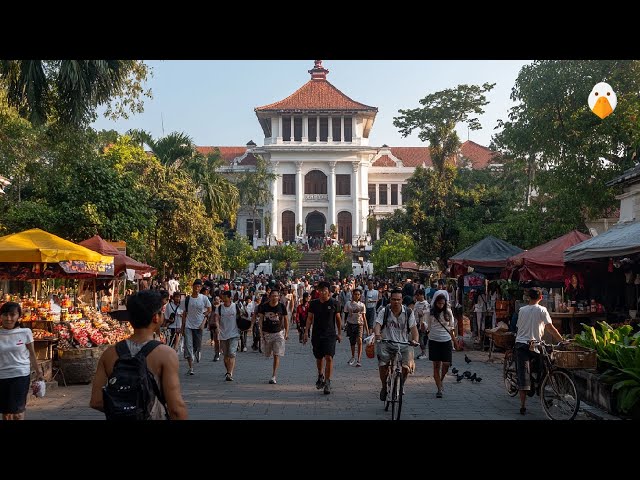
(286, 256)
(391, 249)
(255, 188)
(236, 254)
(336, 260)
(436, 120)
(71, 90)
(565, 152)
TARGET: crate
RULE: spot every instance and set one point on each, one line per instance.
(502, 339)
(572, 356)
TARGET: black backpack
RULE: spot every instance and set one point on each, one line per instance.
(387, 309)
(131, 389)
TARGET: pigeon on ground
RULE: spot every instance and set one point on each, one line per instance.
(478, 379)
(459, 378)
(466, 374)
(473, 377)
(454, 370)
(467, 359)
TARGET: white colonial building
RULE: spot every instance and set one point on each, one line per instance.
(317, 141)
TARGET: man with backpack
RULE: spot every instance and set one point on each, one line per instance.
(397, 323)
(225, 316)
(274, 330)
(137, 379)
(197, 308)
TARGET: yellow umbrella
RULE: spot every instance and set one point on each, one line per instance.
(38, 246)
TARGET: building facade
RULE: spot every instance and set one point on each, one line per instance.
(317, 141)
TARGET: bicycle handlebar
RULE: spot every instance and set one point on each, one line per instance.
(399, 343)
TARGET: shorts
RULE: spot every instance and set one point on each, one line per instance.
(273, 344)
(13, 394)
(354, 332)
(323, 346)
(385, 351)
(440, 351)
(229, 347)
(524, 356)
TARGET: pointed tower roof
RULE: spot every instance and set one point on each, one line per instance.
(317, 95)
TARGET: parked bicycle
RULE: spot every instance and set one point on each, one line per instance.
(395, 381)
(557, 391)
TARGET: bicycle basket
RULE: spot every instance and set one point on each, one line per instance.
(572, 356)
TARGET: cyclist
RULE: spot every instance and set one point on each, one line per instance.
(395, 329)
(533, 321)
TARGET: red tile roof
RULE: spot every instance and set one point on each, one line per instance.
(317, 95)
(384, 161)
(227, 153)
(413, 156)
(479, 156)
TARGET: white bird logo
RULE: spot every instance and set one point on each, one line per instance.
(603, 100)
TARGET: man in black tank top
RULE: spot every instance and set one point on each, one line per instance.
(325, 318)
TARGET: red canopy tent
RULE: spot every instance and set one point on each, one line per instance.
(121, 261)
(544, 263)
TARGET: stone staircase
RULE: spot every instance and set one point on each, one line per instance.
(310, 261)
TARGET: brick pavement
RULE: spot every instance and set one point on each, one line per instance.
(354, 391)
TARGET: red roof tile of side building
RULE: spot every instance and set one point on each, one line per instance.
(227, 153)
(384, 161)
(413, 156)
(479, 156)
(317, 95)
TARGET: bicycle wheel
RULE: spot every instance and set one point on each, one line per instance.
(559, 396)
(396, 398)
(389, 392)
(509, 374)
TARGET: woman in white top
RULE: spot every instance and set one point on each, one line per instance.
(17, 359)
(441, 325)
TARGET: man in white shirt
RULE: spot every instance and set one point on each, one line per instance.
(370, 300)
(173, 285)
(228, 333)
(533, 321)
(173, 320)
(421, 311)
(197, 308)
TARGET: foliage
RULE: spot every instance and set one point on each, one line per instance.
(70, 91)
(236, 254)
(620, 352)
(438, 117)
(254, 187)
(562, 150)
(392, 248)
(372, 226)
(261, 254)
(335, 260)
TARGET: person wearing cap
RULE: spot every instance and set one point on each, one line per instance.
(324, 316)
(196, 311)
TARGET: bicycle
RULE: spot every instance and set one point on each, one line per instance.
(395, 381)
(557, 391)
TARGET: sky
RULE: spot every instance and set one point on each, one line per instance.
(213, 101)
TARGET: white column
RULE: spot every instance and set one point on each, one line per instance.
(354, 195)
(291, 128)
(299, 195)
(342, 128)
(279, 138)
(388, 194)
(330, 130)
(399, 194)
(318, 128)
(331, 191)
(274, 130)
(377, 194)
(274, 204)
(305, 129)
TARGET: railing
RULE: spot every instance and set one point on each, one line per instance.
(316, 196)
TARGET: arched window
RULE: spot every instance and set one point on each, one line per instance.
(315, 182)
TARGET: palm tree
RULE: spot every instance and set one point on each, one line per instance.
(172, 151)
(70, 90)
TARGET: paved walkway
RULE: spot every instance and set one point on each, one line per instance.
(354, 391)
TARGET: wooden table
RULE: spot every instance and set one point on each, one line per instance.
(567, 322)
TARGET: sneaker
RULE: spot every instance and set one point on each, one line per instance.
(244, 349)
(383, 393)
(358, 364)
(352, 361)
(320, 382)
(228, 377)
(439, 394)
(327, 387)
(190, 371)
(272, 381)
(197, 357)
(217, 357)
(422, 356)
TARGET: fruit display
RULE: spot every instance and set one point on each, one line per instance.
(39, 334)
(95, 329)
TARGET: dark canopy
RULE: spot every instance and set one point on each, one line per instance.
(489, 255)
(544, 263)
(121, 261)
(621, 240)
